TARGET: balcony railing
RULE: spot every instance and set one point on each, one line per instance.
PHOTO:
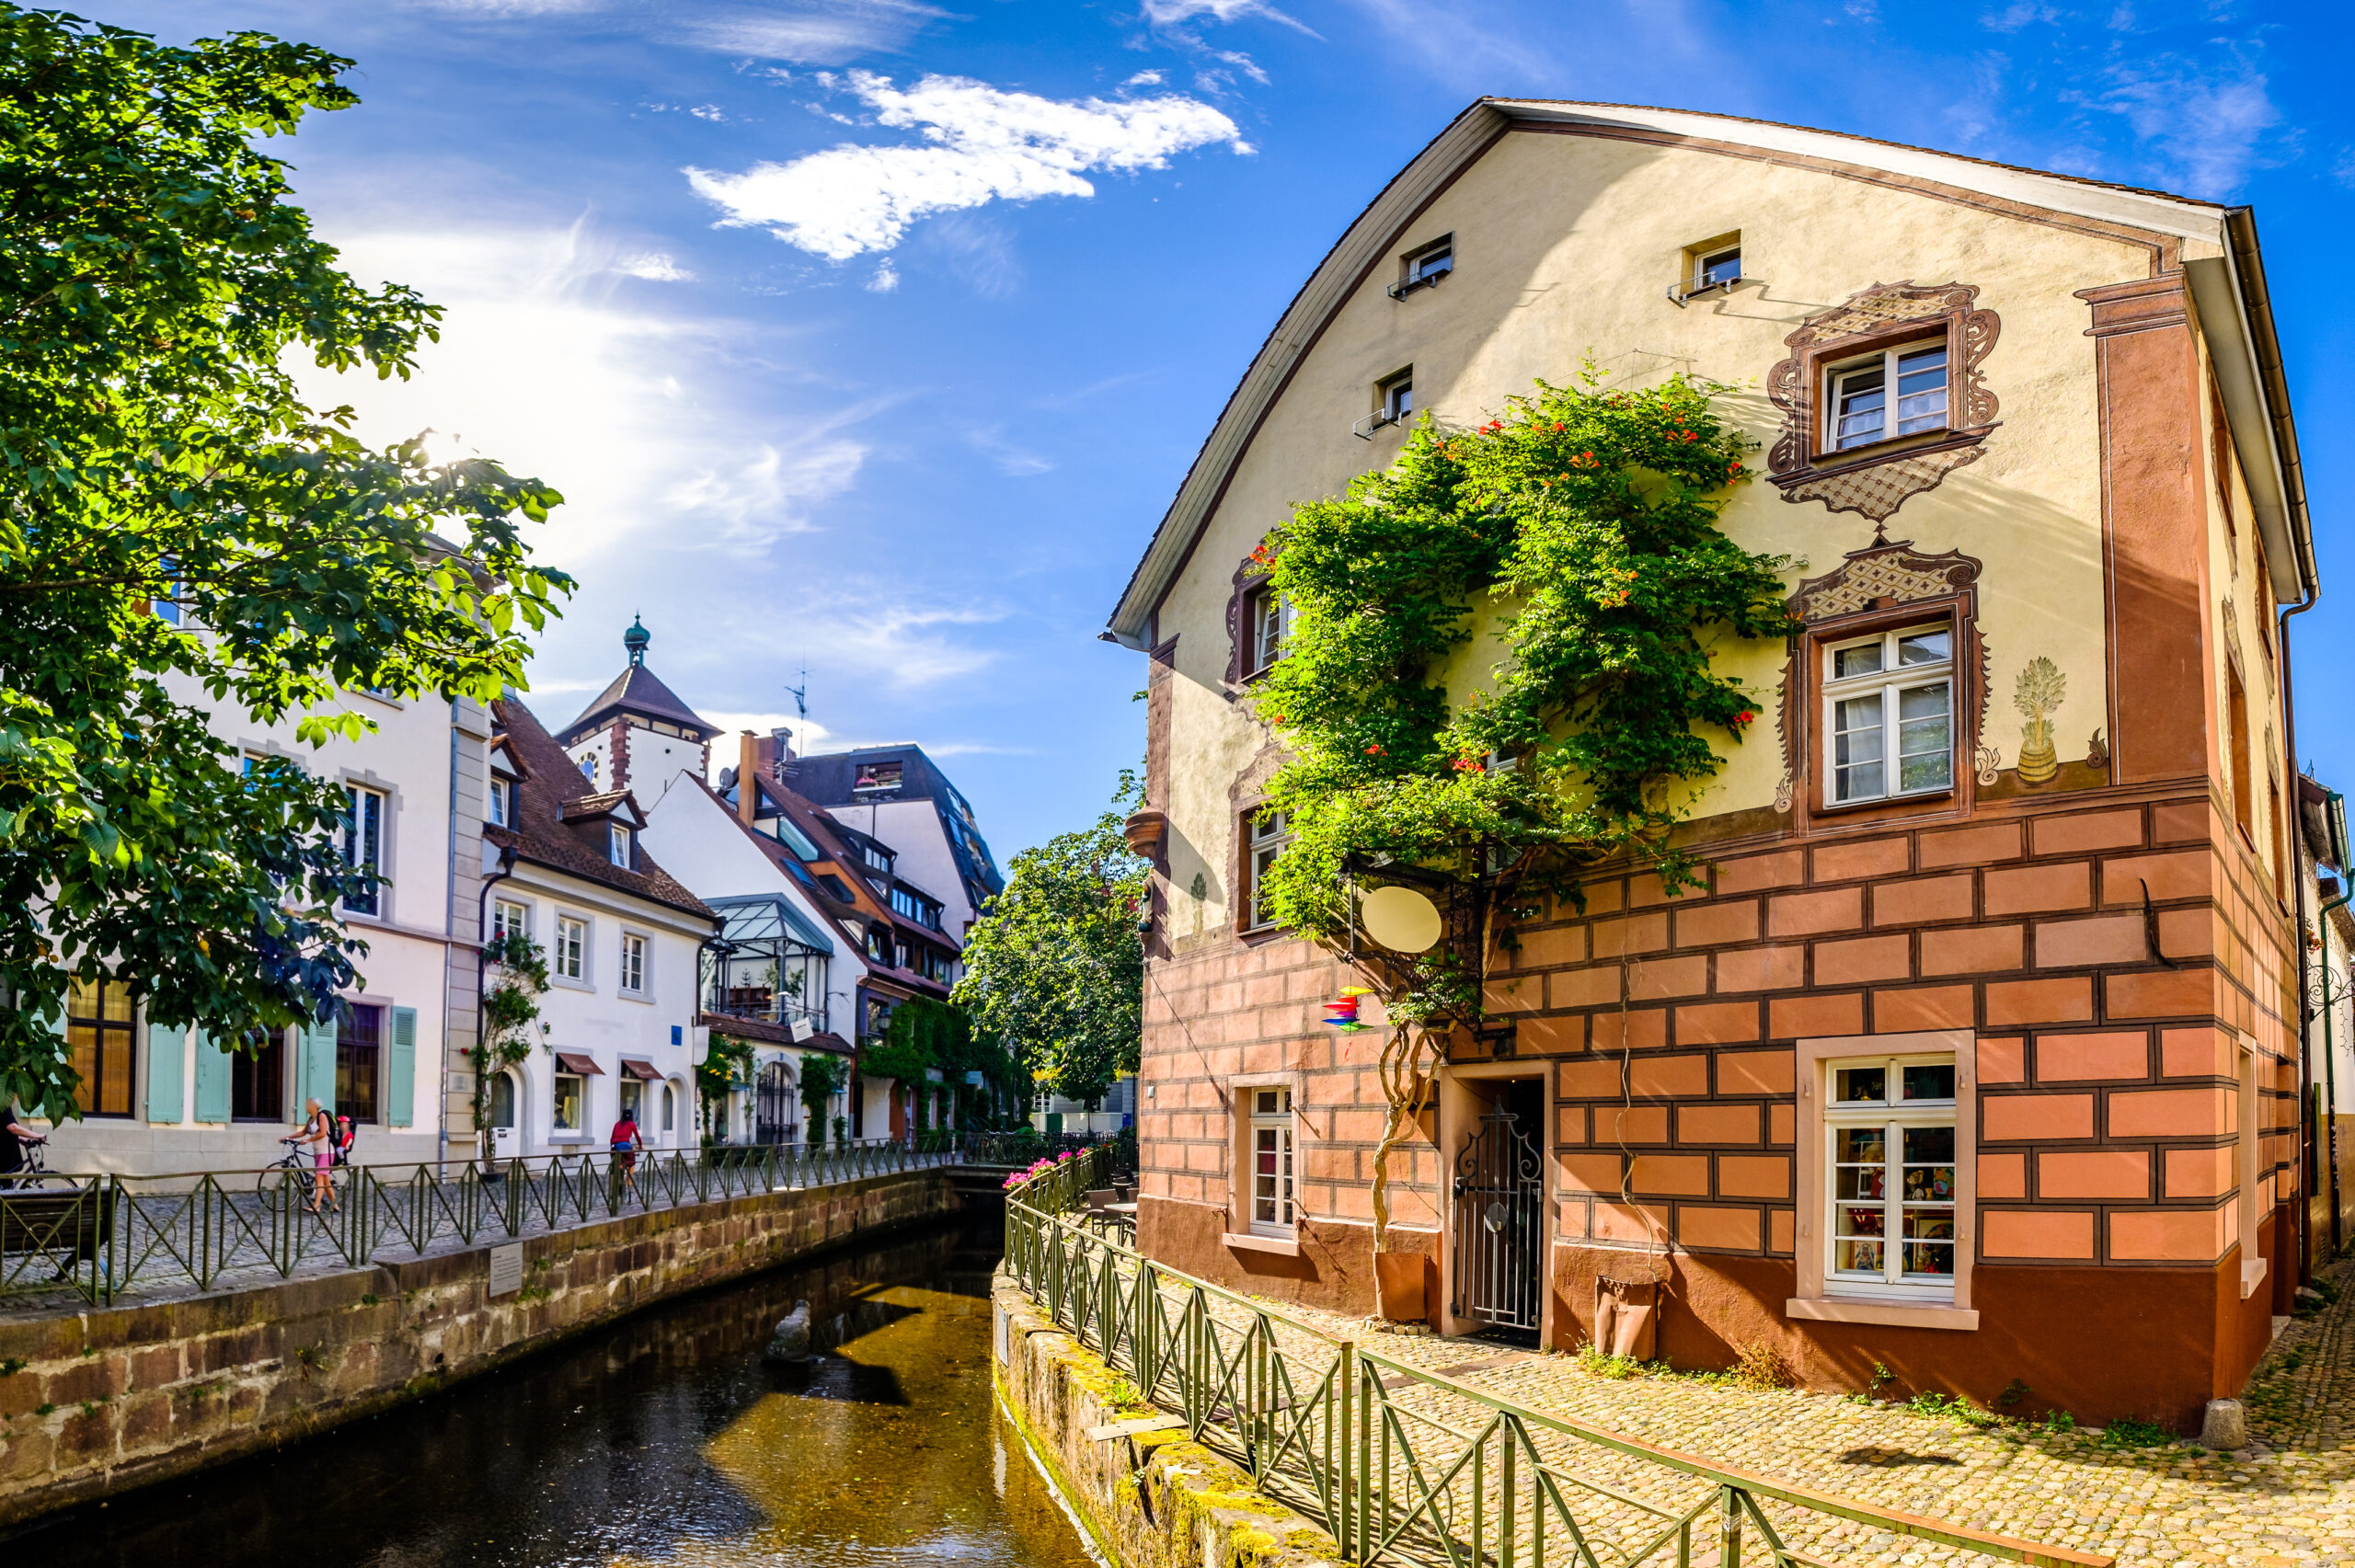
(765, 1005)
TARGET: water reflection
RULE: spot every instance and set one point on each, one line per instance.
(663, 1440)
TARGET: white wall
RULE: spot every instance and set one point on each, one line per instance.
(409, 758)
(594, 1017)
(913, 828)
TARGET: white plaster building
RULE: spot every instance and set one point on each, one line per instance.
(622, 939)
(158, 1099)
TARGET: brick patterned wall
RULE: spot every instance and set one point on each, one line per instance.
(2107, 1078)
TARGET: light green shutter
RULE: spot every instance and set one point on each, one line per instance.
(165, 1045)
(212, 1080)
(318, 1066)
(400, 1069)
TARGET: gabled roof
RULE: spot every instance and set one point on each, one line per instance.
(619, 803)
(2230, 290)
(638, 692)
(542, 835)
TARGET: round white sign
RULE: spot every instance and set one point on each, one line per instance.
(1400, 919)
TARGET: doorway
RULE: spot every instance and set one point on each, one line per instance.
(772, 1110)
(1499, 1188)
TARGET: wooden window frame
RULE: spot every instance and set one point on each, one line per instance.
(1251, 841)
(1806, 712)
(1885, 358)
(108, 1036)
(1893, 1119)
(1242, 1094)
(1814, 1301)
(1888, 683)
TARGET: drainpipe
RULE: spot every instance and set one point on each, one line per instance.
(2333, 805)
(482, 904)
(2305, 1018)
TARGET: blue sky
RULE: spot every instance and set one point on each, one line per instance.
(845, 366)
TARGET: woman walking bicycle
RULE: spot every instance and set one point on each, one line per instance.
(318, 1131)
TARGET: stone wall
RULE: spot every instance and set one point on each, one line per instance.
(1148, 1499)
(97, 1402)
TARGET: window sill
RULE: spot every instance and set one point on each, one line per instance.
(1249, 1242)
(1895, 1314)
(1825, 464)
(635, 996)
(563, 983)
(1912, 798)
(2252, 1276)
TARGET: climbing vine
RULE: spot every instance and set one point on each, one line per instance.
(1579, 532)
(509, 1007)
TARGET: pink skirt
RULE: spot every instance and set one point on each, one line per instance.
(325, 1158)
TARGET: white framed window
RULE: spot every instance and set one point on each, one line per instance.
(1890, 1190)
(570, 1102)
(1395, 397)
(1267, 625)
(1859, 397)
(617, 843)
(509, 918)
(1717, 268)
(1267, 832)
(363, 843)
(1888, 715)
(1271, 1162)
(633, 976)
(571, 957)
(502, 803)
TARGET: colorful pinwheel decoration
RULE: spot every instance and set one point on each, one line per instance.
(1343, 1014)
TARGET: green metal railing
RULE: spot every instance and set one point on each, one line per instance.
(1404, 1465)
(100, 1237)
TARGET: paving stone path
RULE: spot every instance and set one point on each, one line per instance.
(2288, 1498)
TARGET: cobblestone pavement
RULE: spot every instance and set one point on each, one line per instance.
(2288, 1498)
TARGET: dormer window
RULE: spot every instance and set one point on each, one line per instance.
(1860, 403)
(877, 776)
(618, 843)
(502, 803)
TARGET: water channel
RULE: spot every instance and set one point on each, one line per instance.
(662, 1439)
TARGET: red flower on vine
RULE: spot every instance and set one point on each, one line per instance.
(1745, 716)
(1374, 751)
(1467, 764)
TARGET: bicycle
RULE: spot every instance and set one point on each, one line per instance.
(300, 1161)
(35, 1170)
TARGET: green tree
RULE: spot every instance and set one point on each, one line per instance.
(175, 520)
(1055, 966)
(822, 1076)
(1580, 529)
(728, 1062)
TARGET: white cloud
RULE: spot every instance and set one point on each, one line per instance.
(983, 146)
(644, 419)
(1144, 79)
(816, 34)
(2204, 131)
(868, 627)
(886, 280)
(655, 267)
(1014, 462)
(1172, 13)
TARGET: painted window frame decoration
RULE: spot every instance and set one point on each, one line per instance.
(1894, 676)
(1881, 588)
(1873, 480)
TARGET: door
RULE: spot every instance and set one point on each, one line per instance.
(773, 1113)
(1500, 1215)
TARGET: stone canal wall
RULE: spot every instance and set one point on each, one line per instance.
(1150, 1499)
(96, 1402)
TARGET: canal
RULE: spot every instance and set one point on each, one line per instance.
(662, 1439)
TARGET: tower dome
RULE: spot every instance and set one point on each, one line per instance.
(636, 639)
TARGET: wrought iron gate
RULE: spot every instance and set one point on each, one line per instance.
(773, 1109)
(1499, 1184)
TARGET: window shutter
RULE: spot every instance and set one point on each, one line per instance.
(212, 1080)
(400, 1069)
(318, 1066)
(165, 1075)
